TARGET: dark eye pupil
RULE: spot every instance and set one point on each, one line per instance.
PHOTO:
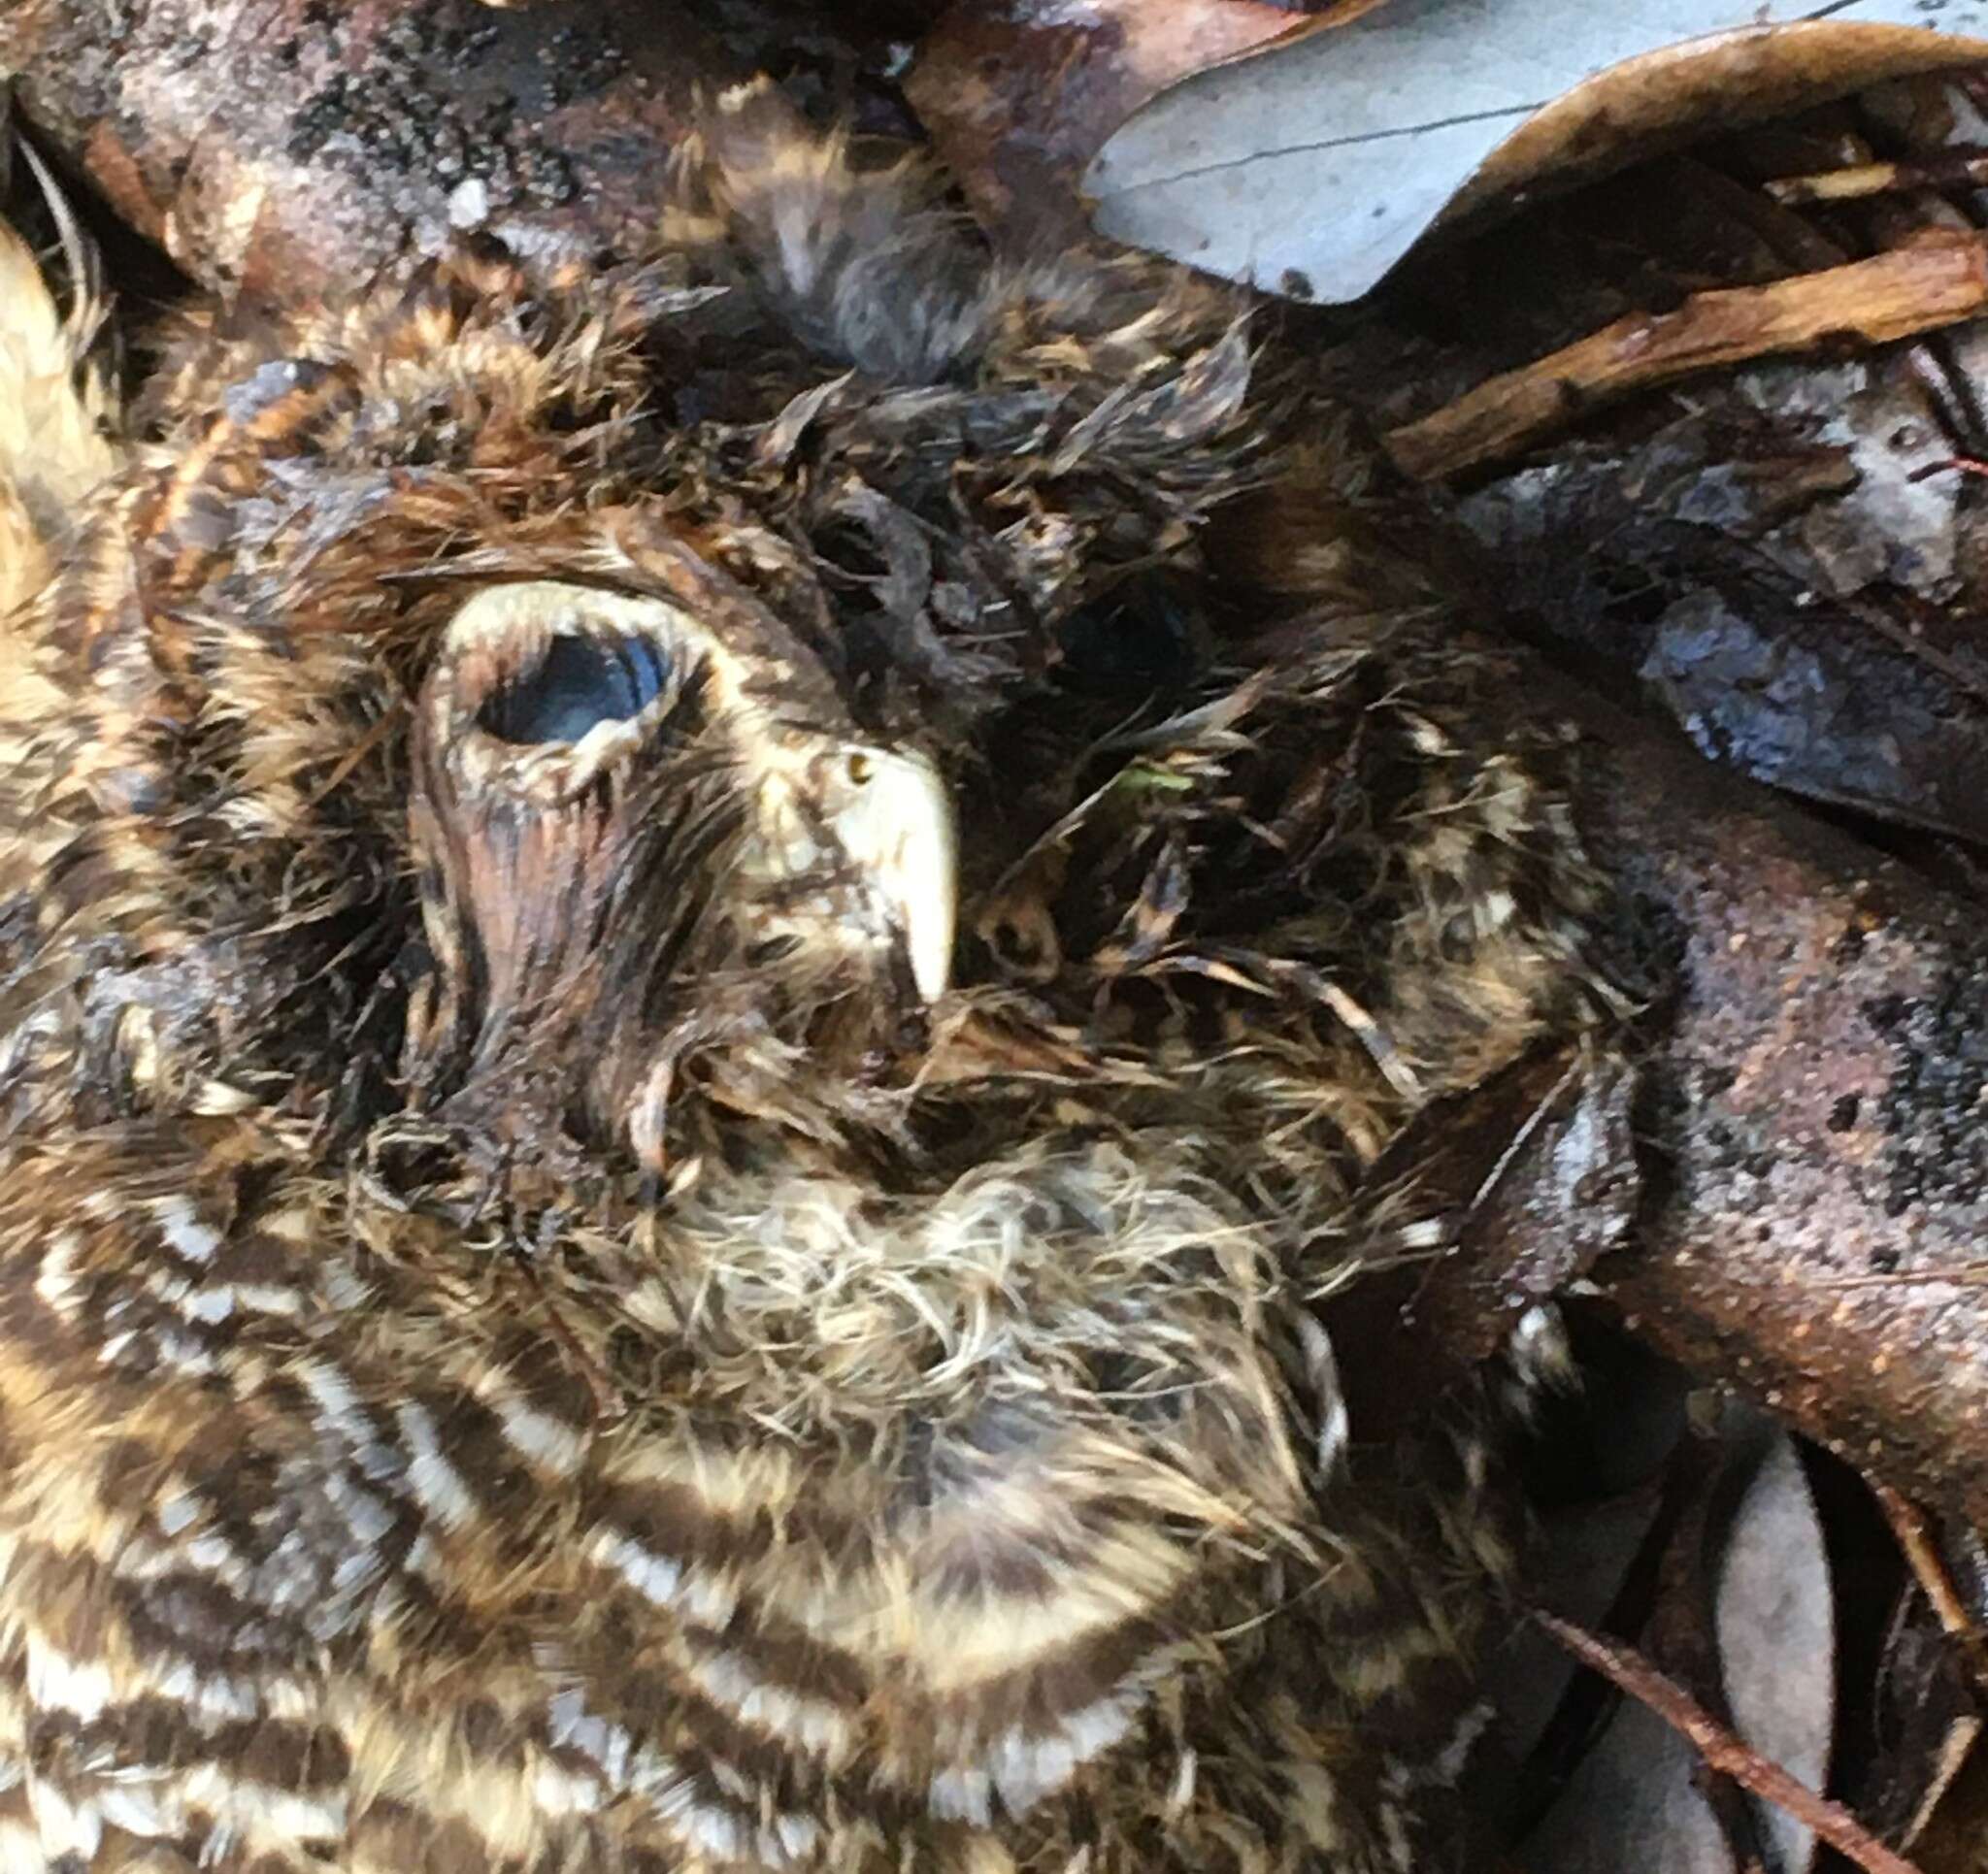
(578, 682)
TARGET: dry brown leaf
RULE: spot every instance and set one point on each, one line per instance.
(1018, 95)
(1310, 166)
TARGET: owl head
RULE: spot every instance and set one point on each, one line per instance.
(574, 680)
(785, 699)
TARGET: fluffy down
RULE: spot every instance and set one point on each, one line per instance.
(690, 1400)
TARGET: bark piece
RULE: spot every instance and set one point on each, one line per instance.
(1806, 1164)
(1936, 281)
(1815, 1162)
(280, 150)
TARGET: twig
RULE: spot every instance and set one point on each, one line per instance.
(1952, 465)
(1938, 280)
(1956, 169)
(1960, 676)
(1795, 239)
(1727, 1754)
(1914, 1537)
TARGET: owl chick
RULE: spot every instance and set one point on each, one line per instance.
(687, 1030)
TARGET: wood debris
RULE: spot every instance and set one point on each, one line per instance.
(1961, 168)
(1816, 1178)
(1725, 1753)
(1938, 280)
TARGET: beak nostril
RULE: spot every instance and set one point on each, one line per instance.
(1010, 941)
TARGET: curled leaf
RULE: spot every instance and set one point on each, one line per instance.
(1310, 166)
(1020, 94)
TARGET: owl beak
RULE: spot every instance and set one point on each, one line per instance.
(896, 826)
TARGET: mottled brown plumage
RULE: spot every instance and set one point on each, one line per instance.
(557, 1310)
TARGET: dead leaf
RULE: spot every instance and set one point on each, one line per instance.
(1637, 1798)
(1955, 1840)
(1775, 568)
(1633, 1803)
(1584, 1555)
(1534, 1175)
(1927, 1723)
(1597, 1474)
(1018, 95)
(1311, 168)
(1775, 1620)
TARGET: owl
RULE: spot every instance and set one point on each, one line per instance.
(699, 954)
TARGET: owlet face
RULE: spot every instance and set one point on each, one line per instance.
(688, 1026)
(631, 813)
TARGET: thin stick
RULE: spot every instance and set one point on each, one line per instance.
(1727, 1754)
(1939, 280)
(1960, 676)
(1956, 169)
(1914, 1538)
(1953, 464)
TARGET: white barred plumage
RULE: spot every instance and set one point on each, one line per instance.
(557, 1311)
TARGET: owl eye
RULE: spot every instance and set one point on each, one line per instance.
(582, 680)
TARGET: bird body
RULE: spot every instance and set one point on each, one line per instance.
(668, 1159)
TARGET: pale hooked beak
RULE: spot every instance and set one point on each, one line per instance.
(896, 826)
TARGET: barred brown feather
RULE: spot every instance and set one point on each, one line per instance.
(532, 1335)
